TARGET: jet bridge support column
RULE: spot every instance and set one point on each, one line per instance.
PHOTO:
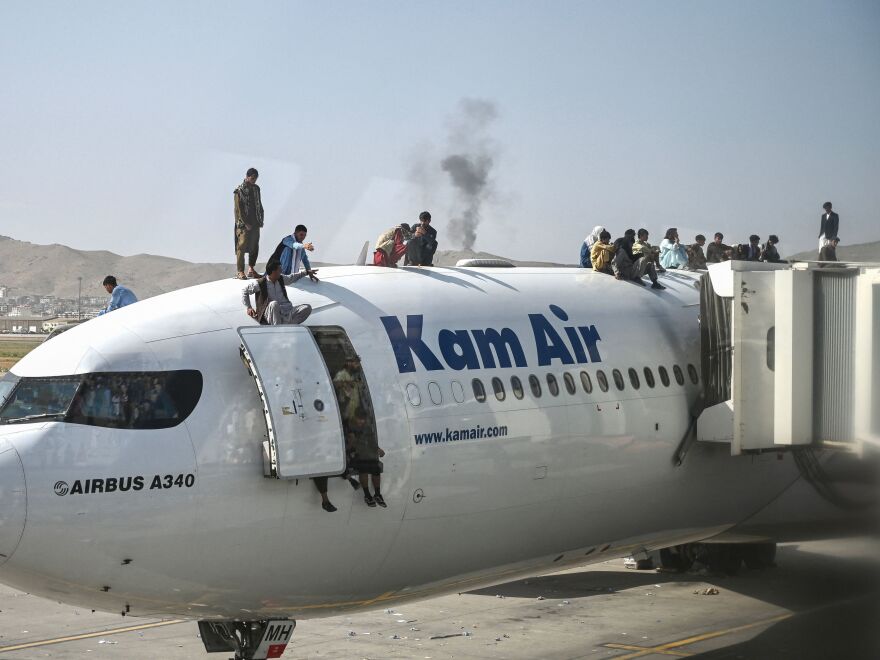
(793, 358)
(867, 360)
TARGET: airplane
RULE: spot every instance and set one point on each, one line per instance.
(161, 460)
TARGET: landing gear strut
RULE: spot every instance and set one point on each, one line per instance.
(249, 640)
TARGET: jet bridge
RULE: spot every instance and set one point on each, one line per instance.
(790, 356)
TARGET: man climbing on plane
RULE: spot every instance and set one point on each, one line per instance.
(273, 307)
(120, 296)
(291, 253)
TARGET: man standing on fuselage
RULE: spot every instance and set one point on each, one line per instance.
(248, 221)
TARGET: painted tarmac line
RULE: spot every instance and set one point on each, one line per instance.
(667, 649)
(102, 633)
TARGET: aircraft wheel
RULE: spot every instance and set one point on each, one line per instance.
(724, 558)
(759, 555)
(676, 558)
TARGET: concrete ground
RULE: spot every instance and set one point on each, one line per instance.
(821, 601)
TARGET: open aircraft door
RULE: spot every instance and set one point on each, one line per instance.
(302, 416)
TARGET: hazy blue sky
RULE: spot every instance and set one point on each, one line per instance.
(126, 126)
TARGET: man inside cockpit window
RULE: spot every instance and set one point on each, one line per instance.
(273, 306)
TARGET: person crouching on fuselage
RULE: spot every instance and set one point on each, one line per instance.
(273, 307)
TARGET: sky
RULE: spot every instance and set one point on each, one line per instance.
(126, 126)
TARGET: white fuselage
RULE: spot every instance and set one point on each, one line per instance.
(554, 479)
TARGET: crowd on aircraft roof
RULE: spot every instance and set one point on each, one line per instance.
(631, 257)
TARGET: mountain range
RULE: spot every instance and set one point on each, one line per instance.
(29, 268)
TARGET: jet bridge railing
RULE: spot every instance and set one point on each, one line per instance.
(791, 356)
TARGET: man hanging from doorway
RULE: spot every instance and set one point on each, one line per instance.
(248, 221)
(273, 307)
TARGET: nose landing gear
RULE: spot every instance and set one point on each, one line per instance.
(249, 640)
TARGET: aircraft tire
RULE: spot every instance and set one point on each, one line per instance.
(676, 558)
(724, 558)
(759, 555)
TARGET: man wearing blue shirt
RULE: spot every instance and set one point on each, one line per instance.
(291, 252)
(120, 296)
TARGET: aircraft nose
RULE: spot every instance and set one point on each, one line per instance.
(13, 503)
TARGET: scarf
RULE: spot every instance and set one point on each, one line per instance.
(594, 236)
(252, 206)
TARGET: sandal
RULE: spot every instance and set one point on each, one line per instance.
(380, 500)
(241, 275)
(369, 500)
(328, 507)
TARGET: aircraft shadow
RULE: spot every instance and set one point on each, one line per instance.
(801, 581)
(841, 630)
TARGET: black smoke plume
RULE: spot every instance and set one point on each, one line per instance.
(469, 166)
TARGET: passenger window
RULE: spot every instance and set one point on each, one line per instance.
(498, 388)
(412, 393)
(569, 383)
(634, 378)
(664, 376)
(602, 380)
(618, 378)
(586, 382)
(457, 391)
(479, 390)
(435, 393)
(692, 372)
(535, 386)
(552, 385)
(516, 386)
(649, 377)
(679, 376)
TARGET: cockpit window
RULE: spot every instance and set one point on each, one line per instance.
(124, 400)
(38, 398)
(7, 384)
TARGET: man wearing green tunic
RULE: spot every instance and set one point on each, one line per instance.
(248, 220)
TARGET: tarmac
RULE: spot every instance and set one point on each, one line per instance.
(822, 600)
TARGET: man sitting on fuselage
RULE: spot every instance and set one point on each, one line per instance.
(273, 306)
(627, 266)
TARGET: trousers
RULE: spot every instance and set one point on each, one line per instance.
(633, 271)
(247, 241)
(278, 313)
